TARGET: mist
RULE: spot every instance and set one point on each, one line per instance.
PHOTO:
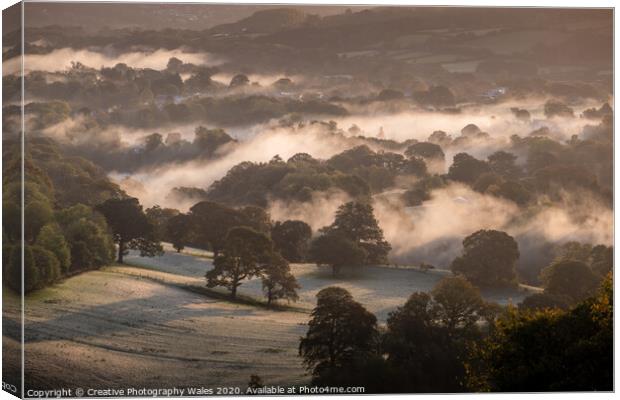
(433, 233)
(261, 147)
(61, 59)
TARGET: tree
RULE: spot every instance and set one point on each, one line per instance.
(47, 266)
(290, 239)
(87, 234)
(239, 80)
(212, 221)
(488, 258)
(466, 168)
(36, 215)
(548, 350)
(356, 222)
(458, 303)
(602, 259)
(503, 164)
(130, 226)
(209, 140)
(174, 64)
(337, 251)
(420, 350)
(541, 301)
(426, 150)
(51, 238)
(257, 218)
(178, 231)
(557, 108)
(278, 282)
(245, 251)
(569, 278)
(340, 332)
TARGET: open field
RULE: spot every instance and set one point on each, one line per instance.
(111, 330)
(380, 289)
(141, 325)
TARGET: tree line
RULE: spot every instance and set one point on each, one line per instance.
(451, 340)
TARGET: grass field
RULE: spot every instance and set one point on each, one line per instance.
(380, 289)
(150, 324)
(107, 329)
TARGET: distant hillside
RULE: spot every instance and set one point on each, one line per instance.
(267, 21)
(150, 16)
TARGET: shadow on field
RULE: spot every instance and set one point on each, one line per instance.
(135, 314)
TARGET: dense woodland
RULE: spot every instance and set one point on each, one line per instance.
(88, 124)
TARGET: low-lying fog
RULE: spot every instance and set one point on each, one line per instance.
(62, 59)
(430, 233)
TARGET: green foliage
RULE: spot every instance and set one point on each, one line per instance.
(253, 183)
(290, 238)
(337, 251)
(73, 179)
(278, 282)
(11, 220)
(245, 251)
(545, 300)
(423, 352)
(340, 333)
(86, 232)
(503, 164)
(13, 270)
(549, 350)
(488, 259)
(356, 222)
(177, 230)
(36, 215)
(257, 218)
(421, 190)
(602, 259)
(212, 221)
(426, 150)
(569, 278)
(377, 169)
(557, 108)
(209, 140)
(458, 303)
(51, 238)
(130, 226)
(47, 265)
(466, 168)
(159, 217)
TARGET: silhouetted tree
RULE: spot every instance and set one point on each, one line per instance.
(504, 164)
(466, 168)
(178, 230)
(212, 221)
(541, 301)
(340, 333)
(458, 303)
(569, 278)
(278, 282)
(548, 350)
(356, 222)
(130, 227)
(488, 258)
(336, 251)
(421, 352)
(245, 250)
(291, 238)
(425, 150)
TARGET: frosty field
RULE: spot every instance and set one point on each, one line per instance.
(139, 323)
(114, 330)
(379, 289)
